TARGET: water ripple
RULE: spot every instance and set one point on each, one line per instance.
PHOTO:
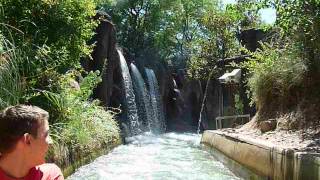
(167, 156)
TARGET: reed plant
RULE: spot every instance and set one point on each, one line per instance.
(12, 87)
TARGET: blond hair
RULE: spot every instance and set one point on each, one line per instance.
(17, 120)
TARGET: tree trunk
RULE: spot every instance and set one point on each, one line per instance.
(204, 100)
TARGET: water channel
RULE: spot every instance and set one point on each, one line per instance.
(148, 156)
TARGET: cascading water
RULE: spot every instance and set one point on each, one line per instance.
(160, 110)
(157, 123)
(131, 108)
(142, 98)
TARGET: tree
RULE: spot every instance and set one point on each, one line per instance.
(166, 26)
(300, 20)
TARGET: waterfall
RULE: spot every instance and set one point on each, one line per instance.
(142, 98)
(157, 123)
(130, 104)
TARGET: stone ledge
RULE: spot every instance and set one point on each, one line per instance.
(265, 158)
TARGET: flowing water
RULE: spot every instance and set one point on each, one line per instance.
(131, 107)
(157, 123)
(142, 98)
(157, 157)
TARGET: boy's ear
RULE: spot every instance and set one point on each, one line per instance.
(27, 138)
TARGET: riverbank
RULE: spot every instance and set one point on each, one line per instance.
(271, 158)
(70, 159)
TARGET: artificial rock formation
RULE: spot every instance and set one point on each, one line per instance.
(105, 59)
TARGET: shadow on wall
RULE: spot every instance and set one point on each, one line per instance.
(183, 103)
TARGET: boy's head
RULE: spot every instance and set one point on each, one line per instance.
(26, 126)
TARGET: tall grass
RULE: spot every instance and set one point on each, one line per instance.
(11, 82)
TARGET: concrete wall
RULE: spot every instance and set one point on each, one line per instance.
(265, 159)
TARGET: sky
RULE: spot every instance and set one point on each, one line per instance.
(268, 15)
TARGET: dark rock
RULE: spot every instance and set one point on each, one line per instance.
(104, 58)
(268, 125)
(250, 38)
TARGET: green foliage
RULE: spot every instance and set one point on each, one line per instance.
(136, 21)
(181, 31)
(284, 74)
(218, 41)
(61, 28)
(197, 68)
(300, 20)
(48, 39)
(164, 27)
(81, 124)
(11, 82)
(87, 85)
(276, 72)
(246, 11)
(181, 26)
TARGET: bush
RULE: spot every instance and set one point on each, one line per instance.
(277, 76)
(81, 125)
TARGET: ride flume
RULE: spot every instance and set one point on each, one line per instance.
(130, 107)
(142, 98)
(159, 157)
(142, 105)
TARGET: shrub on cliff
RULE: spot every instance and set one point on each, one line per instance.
(277, 75)
(284, 79)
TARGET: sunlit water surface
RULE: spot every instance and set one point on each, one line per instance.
(167, 156)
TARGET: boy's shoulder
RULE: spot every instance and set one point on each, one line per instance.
(49, 171)
(48, 166)
(46, 171)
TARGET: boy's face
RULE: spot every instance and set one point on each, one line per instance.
(39, 145)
